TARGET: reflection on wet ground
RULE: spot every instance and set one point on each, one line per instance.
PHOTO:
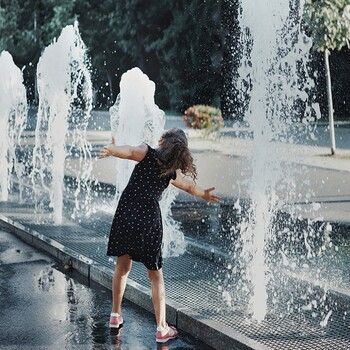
(45, 307)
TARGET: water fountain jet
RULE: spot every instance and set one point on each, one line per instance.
(65, 103)
(13, 118)
(275, 56)
(135, 118)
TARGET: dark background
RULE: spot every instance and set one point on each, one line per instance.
(189, 48)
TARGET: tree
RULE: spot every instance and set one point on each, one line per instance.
(99, 36)
(137, 26)
(232, 55)
(329, 23)
(190, 51)
(17, 31)
(177, 43)
(28, 26)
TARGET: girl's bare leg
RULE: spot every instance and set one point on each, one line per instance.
(121, 273)
(158, 296)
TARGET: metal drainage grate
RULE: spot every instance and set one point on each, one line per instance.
(190, 281)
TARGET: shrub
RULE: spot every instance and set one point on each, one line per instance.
(203, 117)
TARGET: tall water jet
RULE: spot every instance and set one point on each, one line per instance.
(65, 103)
(13, 119)
(135, 118)
(275, 80)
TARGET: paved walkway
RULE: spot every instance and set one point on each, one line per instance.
(46, 307)
(226, 163)
(205, 297)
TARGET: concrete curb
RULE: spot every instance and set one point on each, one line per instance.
(210, 332)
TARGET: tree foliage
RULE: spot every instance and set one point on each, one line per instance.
(178, 43)
(232, 55)
(27, 26)
(189, 48)
(190, 53)
(329, 23)
(136, 26)
(94, 19)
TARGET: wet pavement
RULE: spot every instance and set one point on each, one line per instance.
(198, 297)
(44, 306)
(192, 279)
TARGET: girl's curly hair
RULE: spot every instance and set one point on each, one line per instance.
(174, 154)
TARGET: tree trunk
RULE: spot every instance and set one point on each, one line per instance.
(330, 101)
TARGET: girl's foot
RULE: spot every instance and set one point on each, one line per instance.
(115, 320)
(165, 334)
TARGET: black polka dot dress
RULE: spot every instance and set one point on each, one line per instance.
(137, 224)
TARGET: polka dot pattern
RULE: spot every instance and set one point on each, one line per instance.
(137, 224)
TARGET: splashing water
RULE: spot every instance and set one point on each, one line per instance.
(135, 118)
(275, 81)
(13, 118)
(65, 102)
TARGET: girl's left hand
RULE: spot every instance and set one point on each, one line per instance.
(211, 197)
(107, 151)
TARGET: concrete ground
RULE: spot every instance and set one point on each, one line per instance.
(226, 164)
(44, 306)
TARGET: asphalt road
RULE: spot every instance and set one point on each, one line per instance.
(45, 307)
(100, 120)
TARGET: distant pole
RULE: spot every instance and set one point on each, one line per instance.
(330, 101)
(35, 40)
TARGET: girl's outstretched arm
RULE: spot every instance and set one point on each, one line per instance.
(136, 153)
(191, 188)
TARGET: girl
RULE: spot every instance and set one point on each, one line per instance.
(136, 232)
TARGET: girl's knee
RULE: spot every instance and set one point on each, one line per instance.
(155, 275)
(123, 265)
